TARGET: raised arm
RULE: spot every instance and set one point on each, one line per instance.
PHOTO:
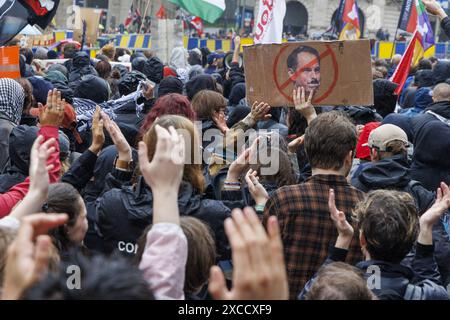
(165, 255)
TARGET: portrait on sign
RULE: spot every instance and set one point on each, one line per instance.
(337, 72)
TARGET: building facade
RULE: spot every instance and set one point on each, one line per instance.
(302, 16)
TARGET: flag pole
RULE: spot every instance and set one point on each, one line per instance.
(145, 14)
(395, 42)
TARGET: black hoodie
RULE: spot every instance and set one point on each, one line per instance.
(431, 160)
(21, 140)
(392, 173)
(81, 66)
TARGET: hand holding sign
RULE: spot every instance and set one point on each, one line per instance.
(304, 106)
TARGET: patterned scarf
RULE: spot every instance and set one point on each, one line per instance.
(12, 97)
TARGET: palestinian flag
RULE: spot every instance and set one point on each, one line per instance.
(208, 10)
(16, 14)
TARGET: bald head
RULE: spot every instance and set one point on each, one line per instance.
(441, 92)
(396, 59)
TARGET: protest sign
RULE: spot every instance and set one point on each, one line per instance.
(339, 72)
(9, 62)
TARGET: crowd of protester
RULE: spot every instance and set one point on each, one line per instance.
(152, 183)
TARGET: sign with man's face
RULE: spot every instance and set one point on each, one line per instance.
(336, 72)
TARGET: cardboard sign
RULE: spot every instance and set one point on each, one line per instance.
(9, 62)
(92, 17)
(339, 72)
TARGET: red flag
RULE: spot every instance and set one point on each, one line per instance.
(161, 14)
(129, 18)
(408, 16)
(402, 72)
(197, 23)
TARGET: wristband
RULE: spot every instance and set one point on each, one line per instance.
(259, 207)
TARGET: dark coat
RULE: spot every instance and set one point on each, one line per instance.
(431, 160)
(81, 66)
(392, 173)
(21, 140)
(124, 213)
(398, 282)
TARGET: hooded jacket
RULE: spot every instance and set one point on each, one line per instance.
(397, 282)
(384, 97)
(422, 99)
(11, 104)
(123, 214)
(93, 88)
(199, 83)
(21, 140)
(392, 173)
(431, 161)
(81, 66)
(441, 72)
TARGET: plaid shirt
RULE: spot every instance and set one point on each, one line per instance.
(306, 228)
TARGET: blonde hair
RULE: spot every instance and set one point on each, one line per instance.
(193, 170)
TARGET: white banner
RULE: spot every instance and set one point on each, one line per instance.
(269, 21)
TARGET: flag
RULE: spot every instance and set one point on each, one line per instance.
(408, 16)
(129, 18)
(208, 10)
(402, 72)
(269, 21)
(161, 14)
(197, 23)
(350, 19)
(425, 33)
(17, 14)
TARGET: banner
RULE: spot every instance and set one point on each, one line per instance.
(328, 68)
(269, 21)
(9, 62)
(408, 16)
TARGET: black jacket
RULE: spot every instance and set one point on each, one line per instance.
(445, 25)
(392, 173)
(397, 282)
(21, 140)
(122, 214)
(81, 66)
(431, 160)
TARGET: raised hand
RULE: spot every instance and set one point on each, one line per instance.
(29, 254)
(119, 140)
(53, 113)
(259, 111)
(98, 136)
(39, 179)
(433, 7)
(295, 144)
(259, 272)
(164, 173)
(344, 228)
(432, 215)
(303, 105)
(257, 190)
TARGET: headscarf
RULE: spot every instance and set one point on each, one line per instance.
(12, 97)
